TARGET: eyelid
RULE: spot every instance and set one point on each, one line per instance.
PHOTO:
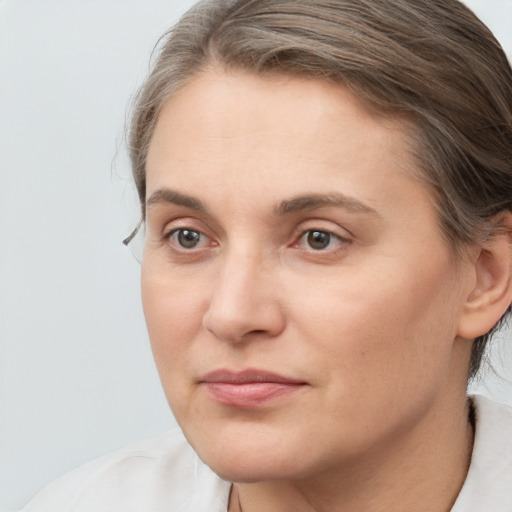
(330, 233)
(205, 240)
(340, 238)
(325, 230)
(336, 232)
(169, 232)
(162, 216)
(190, 223)
(173, 231)
(184, 222)
(325, 226)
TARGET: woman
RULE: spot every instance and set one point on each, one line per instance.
(326, 195)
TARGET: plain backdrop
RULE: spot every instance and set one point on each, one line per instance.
(76, 373)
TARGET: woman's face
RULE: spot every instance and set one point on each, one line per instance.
(301, 302)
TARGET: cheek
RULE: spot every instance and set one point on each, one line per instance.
(383, 350)
(380, 327)
(173, 313)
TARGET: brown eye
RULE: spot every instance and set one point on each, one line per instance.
(318, 240)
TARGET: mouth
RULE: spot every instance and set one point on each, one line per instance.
(248, 388)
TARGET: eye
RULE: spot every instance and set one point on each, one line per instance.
(318, 240)
(186, 238)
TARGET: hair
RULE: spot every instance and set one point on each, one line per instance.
(432, 62)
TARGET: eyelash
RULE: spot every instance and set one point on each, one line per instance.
(174, 233)
(332, 237)
(303, 238)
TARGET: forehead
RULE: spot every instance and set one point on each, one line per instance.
(274, 136)
(269, 99)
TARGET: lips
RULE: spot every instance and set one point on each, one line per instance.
(248, 388)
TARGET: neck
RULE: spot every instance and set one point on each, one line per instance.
(421, 470)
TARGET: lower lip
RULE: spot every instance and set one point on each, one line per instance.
(249, 394)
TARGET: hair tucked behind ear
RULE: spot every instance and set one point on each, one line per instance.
(430, 61)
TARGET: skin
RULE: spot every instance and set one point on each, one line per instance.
(371, 322)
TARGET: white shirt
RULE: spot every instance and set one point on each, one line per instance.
(164, 474)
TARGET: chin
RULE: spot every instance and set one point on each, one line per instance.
(251, 471)
(253, 460)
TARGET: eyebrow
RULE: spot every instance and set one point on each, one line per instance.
(166, 195)
(288, 206)
(313, 201)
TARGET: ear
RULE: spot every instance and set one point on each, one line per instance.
(492, 293)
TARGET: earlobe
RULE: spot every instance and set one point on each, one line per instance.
(492, 293)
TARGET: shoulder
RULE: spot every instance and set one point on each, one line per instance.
(488, 484)
(160, 474)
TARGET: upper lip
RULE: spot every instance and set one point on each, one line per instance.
(247, 376)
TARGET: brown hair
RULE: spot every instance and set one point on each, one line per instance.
(431, 61)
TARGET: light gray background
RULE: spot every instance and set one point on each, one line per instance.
(76, 373)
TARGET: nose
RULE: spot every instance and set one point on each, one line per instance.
(244, 303)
